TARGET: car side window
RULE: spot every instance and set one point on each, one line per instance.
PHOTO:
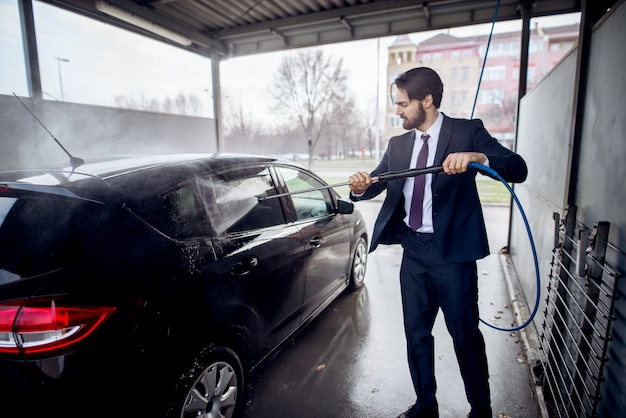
(308, 203)
(237, 206)
(184, 214)
(176, 213)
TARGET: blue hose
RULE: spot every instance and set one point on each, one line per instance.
(495, 174)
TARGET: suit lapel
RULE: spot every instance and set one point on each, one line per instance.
(404, 162)
(444, 140)
(401, 156)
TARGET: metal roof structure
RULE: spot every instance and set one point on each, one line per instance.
(222, 29)
(227, 28)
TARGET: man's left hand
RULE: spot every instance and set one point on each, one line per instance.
(457, 162)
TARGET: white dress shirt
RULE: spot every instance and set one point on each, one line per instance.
(427, 208)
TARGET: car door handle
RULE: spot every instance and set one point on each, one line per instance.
(316, 242)
(244, 266)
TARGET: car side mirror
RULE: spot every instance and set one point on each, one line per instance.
(345, 207)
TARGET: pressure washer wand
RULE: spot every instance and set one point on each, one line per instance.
(390, 175)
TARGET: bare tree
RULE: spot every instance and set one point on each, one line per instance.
(181, 104)
(373, 131)
(308, 85)
(508, 107)
(344, 132)
(241, 125)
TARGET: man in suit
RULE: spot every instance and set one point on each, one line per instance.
(442, 234)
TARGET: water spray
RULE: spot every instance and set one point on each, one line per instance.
(75, 162)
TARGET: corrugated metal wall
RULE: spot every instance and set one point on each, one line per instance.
(602, 188)
(544, 140)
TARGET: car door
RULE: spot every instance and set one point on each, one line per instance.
(326, 237)
(259, 257)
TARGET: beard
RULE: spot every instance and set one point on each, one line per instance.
(415, 122)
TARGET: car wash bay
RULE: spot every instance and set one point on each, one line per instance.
(350, 362)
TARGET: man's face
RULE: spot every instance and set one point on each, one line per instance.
(412, 112)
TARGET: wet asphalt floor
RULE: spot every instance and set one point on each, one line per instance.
(350, 362)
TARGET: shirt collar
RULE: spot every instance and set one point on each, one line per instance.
(434, 129)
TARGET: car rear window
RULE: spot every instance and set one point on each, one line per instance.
(6, 203)
(38, 234)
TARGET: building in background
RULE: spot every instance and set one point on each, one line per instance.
(459, 62)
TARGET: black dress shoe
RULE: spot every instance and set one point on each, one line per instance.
(481, 414)
(415, 411)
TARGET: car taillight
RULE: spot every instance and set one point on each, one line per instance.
(6, 191)
(43, 328)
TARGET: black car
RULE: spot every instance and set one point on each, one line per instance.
(150, 286)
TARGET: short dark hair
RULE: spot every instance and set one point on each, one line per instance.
(420, 82)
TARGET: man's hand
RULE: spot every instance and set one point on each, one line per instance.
(457, 162)
(359, 181)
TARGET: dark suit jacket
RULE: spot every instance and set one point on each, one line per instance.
(458, 221)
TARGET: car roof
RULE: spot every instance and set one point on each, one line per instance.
(118, 165)
(119, 174)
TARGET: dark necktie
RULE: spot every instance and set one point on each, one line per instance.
(415, 220)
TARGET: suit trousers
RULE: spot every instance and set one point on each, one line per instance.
(428, 282)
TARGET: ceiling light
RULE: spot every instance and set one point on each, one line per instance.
(141, 22)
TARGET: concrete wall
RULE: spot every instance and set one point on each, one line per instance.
(602, 187)
(93, 131)
(545, 125)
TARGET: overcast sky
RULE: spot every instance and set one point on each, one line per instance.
(103, 62)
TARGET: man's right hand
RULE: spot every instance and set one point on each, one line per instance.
(359, 181)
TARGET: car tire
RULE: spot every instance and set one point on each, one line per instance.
(359, 264)
(212, 386)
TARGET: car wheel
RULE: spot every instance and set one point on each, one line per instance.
(359, 264)
(211, 387)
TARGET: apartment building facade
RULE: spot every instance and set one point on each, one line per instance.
(459, 62)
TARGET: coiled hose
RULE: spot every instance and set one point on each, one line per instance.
(495, 174)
